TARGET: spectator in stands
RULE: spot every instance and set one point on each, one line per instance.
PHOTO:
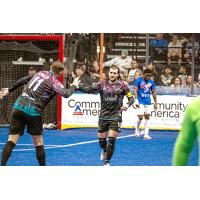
(123, 77)
(166, 77)
(155, 73)
(123, 61)
(137, 75)
(188, 53)
(94, 74)
(158, 48)
(198, 81)
(175, 50)
(188, 82)
(183, 73)
(131, 72)
(83, 76)
(68, 78)
(177, 83)
(105, 72)
(32, 71)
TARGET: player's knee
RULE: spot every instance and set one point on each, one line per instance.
(13, 138)
(140, 117)
(111, 142)
(102, 141)
(37, 140)
(147, 116)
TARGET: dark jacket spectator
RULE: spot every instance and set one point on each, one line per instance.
(83, 76)
(158, 47)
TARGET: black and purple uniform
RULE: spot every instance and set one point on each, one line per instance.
(28, 108)
(112, 95)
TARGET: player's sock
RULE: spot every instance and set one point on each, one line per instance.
(110, 147)
(40, 153)
(137, 129)
(103, 143)
(7, 152)
(146, 127)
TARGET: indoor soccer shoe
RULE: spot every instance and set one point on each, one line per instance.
(147, 137)
(137, 133)
(107, 164)
(103, 155)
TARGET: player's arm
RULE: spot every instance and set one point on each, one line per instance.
(19, 83)
(94, 88)
(154, 98)
(153, 90)
(61, 90)
(135, 91)
(185, 140)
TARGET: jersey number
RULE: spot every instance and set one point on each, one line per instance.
(36, 83)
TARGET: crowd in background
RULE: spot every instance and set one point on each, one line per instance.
(169, 61)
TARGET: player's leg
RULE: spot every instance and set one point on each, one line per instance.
(102, 135)
(39, 146)
(146, 122)
(140, 114)
(34, 127)
(16, 129)
(114, 128)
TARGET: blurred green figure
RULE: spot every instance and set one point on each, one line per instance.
(190, 131)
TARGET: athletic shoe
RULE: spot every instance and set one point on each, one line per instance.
(137, 133)
(107, 163)
(147, 137)
(103, 155)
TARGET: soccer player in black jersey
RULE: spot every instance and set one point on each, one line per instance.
(28, 108)
(112, 92)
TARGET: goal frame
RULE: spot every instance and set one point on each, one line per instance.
(60, 39)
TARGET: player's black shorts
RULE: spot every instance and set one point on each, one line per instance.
(18, 121)
(106, 125)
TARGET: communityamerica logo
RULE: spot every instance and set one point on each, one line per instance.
(77, 110)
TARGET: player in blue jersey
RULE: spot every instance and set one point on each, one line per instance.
(29, 106)
(143, 87)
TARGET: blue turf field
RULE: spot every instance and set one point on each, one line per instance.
(79, 147)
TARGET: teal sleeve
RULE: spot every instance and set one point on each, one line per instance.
(186, 138)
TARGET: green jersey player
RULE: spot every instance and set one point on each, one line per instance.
(189, 132)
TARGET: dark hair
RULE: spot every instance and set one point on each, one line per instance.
(32, 68)
(147, 71)
(179, 80)
(79, 67)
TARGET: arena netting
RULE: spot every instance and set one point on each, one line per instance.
(16, 56)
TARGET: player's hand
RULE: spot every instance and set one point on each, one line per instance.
(125, 107)
(155, 106)
(136, 104)
(76, 82)
(3, 92)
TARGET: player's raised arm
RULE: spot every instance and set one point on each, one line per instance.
(19, 83)
(60, 89)
(94, 88)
